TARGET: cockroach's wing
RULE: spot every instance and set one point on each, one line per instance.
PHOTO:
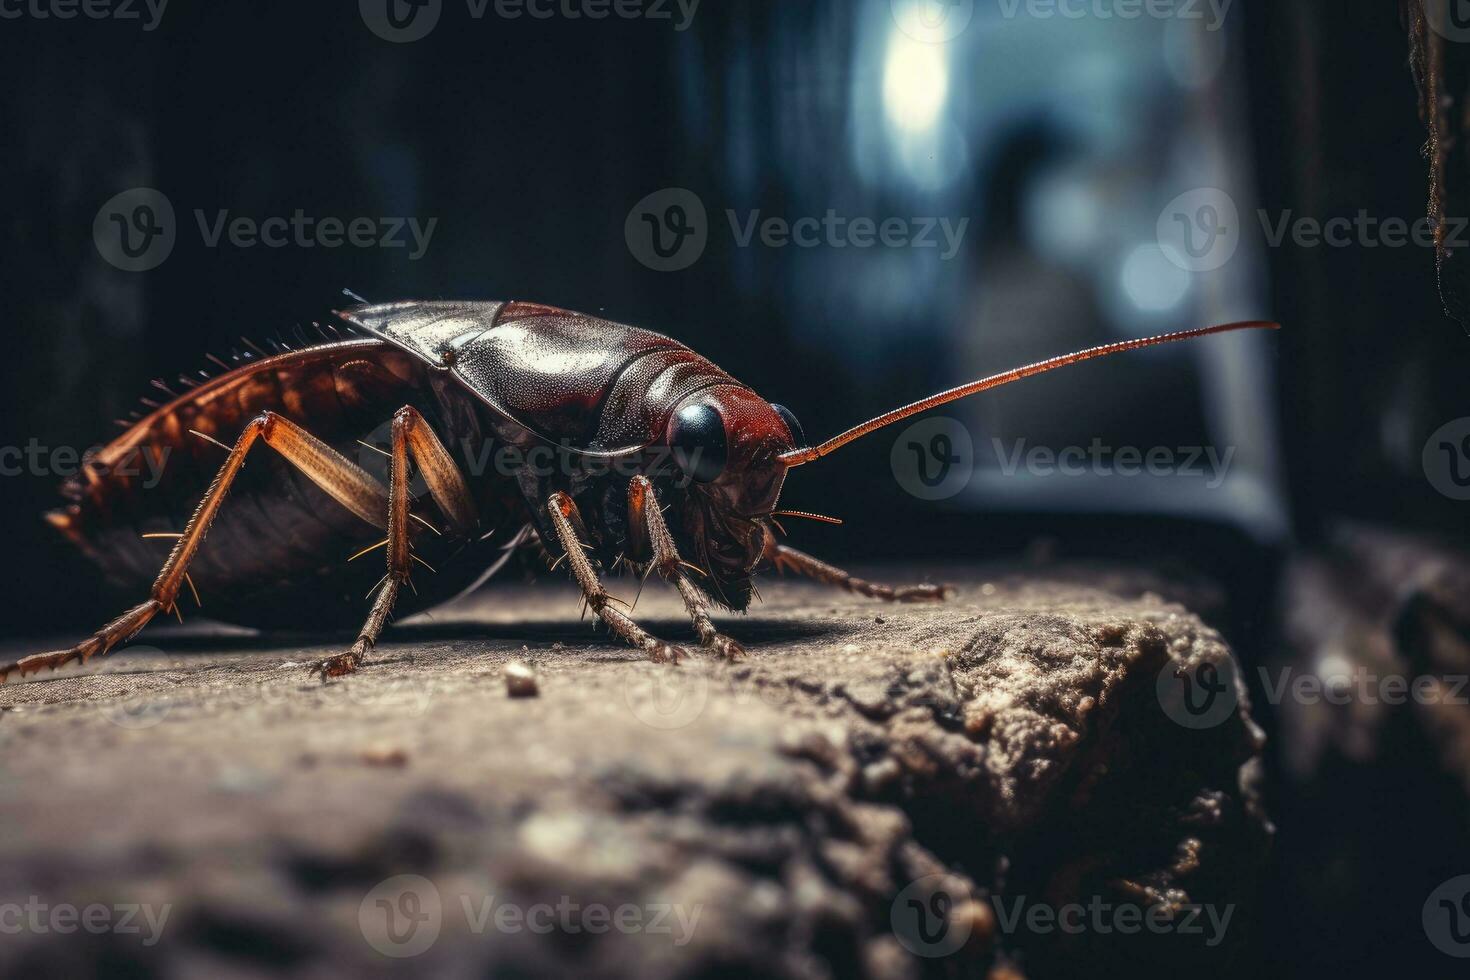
(550, 371)
(434, 331)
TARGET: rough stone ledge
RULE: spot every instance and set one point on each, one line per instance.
(806, 805)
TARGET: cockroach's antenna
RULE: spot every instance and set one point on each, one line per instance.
(808, 515)
(797, 457)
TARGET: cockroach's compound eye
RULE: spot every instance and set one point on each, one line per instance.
(696, 435)
(798, 437)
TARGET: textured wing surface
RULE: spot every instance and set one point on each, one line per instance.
(548, 370)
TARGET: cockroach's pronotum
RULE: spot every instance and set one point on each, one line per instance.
(605, 444)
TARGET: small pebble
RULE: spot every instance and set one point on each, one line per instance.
(520, 680)
(878, 776)
(388, 758)
(879, 620)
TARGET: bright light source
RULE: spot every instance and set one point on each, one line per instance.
(915, 83)
(1151, 281)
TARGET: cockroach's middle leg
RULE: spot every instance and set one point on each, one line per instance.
(348, 483)
(787, 559)
(644, 512)
(412, 436)
(565, 518)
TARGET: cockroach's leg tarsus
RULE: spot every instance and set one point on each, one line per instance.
(788, 559)
(121, 628)
(644, 512)
(565, 518)
(348, 483)
(412, 435)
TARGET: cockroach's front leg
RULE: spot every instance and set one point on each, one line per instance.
(787, 559)
(565, 518)
(644, 513)
(411, 436)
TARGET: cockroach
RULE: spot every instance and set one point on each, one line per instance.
(602, 444)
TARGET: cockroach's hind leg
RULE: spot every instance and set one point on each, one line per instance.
(788, 559)
(563, 511)
(644, 513)
(348, 483)
(99, 643)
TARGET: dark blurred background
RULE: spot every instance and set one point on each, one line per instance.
(1069, 147)
(1033, 157)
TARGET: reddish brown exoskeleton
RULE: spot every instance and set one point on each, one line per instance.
(606, 444)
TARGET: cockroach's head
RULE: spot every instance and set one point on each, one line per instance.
(732, 449)
(726, 442)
